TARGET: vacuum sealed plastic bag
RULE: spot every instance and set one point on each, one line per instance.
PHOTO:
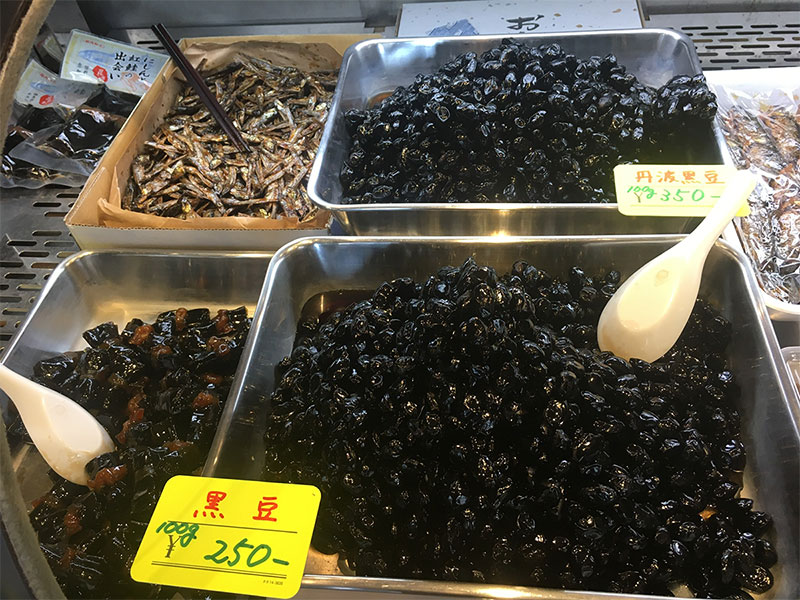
(61, 130)
(74, 146)
(763, 134)
(117, 103)
(19, 173)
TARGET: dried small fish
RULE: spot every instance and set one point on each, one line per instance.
(189, 168)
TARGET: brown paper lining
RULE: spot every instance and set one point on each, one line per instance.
(150, 114)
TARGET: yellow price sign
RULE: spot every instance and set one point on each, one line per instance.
(671, 190)
(229, 535)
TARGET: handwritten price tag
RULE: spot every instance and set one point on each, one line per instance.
(671, 190)
(229, 535)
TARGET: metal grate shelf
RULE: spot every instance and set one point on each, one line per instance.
(739, 40)
(33, 240)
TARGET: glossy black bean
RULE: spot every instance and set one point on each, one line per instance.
(508, 443)
(163, 414)
(581, 116)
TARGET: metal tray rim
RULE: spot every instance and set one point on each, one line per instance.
(458, 589)
(62, 267)
(499, 36)
(741, 261)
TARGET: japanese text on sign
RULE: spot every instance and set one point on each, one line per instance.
(119, 66)
(229, 535)
(671, 190)
(529, 23)
(39, 87)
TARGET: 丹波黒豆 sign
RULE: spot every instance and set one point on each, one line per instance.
(671, 190)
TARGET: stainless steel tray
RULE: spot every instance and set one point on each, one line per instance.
(302, 275)
(375, 67)
(90, 288)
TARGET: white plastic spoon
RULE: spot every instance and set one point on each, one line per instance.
(66, 435)
(647, 314)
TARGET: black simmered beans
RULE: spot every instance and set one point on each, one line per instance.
(468, 428)
(519, 124)
(159, 389)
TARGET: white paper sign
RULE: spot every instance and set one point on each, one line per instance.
(119, 66)
(513, 18)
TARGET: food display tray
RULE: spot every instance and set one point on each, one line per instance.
(374, 68)
(756, 82)
(96, 220)
(96, 286)
(307, 277)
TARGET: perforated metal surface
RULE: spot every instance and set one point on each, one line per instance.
(739, 40)
(33, 241)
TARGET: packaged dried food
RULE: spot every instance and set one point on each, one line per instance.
(117, 103)
(12, 168)
(35, 119)
(762, 130)
(118, 66)
(19, 173)
(42, 88)
(75, 146)
(42, 102)
(62, 145)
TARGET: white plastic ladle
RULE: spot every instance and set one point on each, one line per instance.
(647, 314)
(66, 435)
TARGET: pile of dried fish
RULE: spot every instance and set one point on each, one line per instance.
(191, 169)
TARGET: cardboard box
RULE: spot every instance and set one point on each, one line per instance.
(97, 219)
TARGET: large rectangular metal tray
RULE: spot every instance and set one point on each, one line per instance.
(89, 288)
(304, 277)
(373, 68)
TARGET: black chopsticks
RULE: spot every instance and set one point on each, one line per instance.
(193, 77)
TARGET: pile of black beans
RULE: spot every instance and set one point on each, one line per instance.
(518, 124)
(159, 388)
(468, 428)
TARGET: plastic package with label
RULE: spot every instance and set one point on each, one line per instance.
(19, 173)
(71, 143)
(121, 67)
(763, 133)
(15, 172)
(75, 146)
(61, 128)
